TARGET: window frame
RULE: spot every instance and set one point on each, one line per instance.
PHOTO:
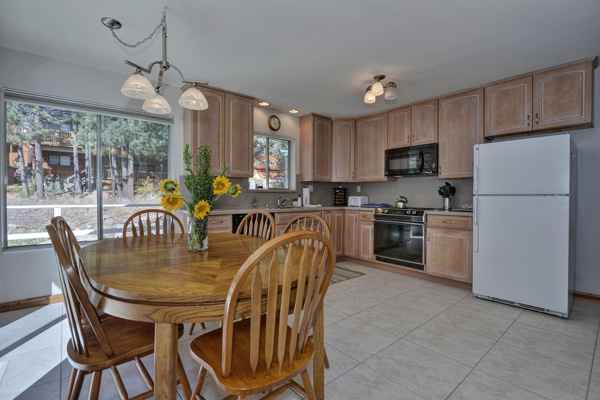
(291, 162)
(100, 110)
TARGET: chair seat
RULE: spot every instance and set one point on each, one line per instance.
(207, 350)
(127, 338)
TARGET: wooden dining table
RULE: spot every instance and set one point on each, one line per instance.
(156, 279)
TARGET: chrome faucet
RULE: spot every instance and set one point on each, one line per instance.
(281, 203)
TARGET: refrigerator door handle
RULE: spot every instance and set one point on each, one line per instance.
(476, 227)
(476, 170)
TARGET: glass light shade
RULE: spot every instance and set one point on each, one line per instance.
(390, 93)
(377, 88)
(193, 99)
(157, 105)
(369, 97)
(138, 86)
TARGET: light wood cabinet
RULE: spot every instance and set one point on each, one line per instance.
(342, 152)
(460, 127)
(283, 218)
(563, 97)
(315, 148)
(219, 223)
(365, 240)
(371, 139)
(424, 123)
(351, 234)
(335, 221)
(227, 127)
(508, 107)
(399, 128)
(450, 247)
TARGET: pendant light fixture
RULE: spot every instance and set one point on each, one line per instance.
(377, 89)
(137, 86)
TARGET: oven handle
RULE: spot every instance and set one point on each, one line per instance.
(398, 223)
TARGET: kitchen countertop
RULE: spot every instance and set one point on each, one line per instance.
(226, 211)
(457, 212)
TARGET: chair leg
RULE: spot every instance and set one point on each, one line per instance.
(78, 381)
(95, 388)
(71, 383)
(144, 372)
(310, 393)
(202, 325)
(199, 383)
(325, 359)
(119, 382)
(185, 384)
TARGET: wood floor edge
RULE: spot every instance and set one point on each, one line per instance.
(594, 298)
(33, 302)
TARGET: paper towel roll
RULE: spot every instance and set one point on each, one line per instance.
(305, 196)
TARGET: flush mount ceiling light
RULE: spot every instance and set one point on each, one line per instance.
(137, 86)
(264, 103)
(377, 89)
(293, 111)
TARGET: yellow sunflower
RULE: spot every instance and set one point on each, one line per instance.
(169, 186)
(221, 185)
(201, 209)
(235, 190)
(172, 202)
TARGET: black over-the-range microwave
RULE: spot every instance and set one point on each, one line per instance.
(417, 160)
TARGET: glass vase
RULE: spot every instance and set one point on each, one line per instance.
(198, 234)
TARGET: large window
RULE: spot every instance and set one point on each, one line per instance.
(272, 160)
(93, 169)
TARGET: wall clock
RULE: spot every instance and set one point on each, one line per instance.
(274, 123)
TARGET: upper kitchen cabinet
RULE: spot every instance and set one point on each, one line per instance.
(399, 128)
(315, 148)
(460, 127)
(563, 97)
(424, 123)
(226, 127)
(552, 99)
(371, 139)
(342, 151)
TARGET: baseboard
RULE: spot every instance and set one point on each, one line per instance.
(34, 302)
(594, 298)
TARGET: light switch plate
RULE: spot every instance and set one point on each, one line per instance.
(310, 187)
(357, 188)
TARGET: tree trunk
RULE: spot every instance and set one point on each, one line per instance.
(124, 171)
(39, 167)
(76, 172)
(88, 163)
(22, 172)
(130, 172)
(113, 170)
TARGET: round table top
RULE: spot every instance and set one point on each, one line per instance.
(160, 269)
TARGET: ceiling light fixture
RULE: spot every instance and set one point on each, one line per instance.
(138, 86)
(293, 111)
(264, 103)
(377, 89)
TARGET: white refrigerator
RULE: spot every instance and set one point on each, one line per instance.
(524, 222)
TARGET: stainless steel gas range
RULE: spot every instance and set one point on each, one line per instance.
(399, 236)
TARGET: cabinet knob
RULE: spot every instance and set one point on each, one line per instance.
(536, 119)
(428, 235)
(528, 118)
(448, 222)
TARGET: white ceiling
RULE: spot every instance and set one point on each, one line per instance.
(316, 55)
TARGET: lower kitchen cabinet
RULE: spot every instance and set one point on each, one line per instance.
(335, 220)
(450, 247)
(365, 240)
(283, 218)
(219, 223)
(358, 235)
(351, 234)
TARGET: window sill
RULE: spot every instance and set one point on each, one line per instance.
(272, 191)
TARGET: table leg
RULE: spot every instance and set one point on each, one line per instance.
(318, 362)
(165, 361)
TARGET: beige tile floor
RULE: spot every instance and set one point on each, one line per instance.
(388, 336)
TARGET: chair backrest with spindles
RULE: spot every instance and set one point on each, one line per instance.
(308, 223)
(80, 311)
(291, 273)
(258, 224)
(152, 222)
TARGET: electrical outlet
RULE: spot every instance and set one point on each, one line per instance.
(357, 188)
(310, 187)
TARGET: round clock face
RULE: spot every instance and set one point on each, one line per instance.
(274, 123)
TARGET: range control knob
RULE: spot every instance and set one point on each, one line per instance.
(414, 212)
(385, 211)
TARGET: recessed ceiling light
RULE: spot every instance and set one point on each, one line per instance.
(292, 111)
(264, 104)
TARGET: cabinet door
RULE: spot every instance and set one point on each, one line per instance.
(351, 237)
(425, 123)
(343, 151)
(239, 128)
(508, 107)
(207, 127)
(322, 149)
(399, 128)
(450, 254)
(460, 128)
(563, 97)
(337, 218)
(370, 148)
(365, 232)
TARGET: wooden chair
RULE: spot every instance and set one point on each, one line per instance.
(98, 342)
(310, 223)
(147, 226)
(262, 353)
(258, 224)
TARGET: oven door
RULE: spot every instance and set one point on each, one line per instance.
(400, 243)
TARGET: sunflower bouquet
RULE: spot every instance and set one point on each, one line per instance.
(205, 190)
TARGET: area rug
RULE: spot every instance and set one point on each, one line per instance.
(341, 274)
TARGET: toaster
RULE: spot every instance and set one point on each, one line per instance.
(357, 201)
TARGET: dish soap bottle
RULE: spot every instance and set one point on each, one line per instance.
(254, 202)
(299, 200)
